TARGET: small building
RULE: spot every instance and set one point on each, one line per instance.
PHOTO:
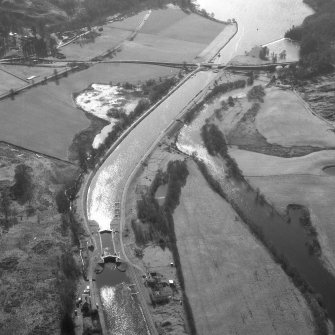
(171, 283)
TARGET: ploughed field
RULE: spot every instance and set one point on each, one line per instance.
(45, 118)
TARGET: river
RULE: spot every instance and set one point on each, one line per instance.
(259, 21)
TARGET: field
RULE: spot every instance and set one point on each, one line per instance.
(284, 120)
(233, 286)
(45, 118)
(266, 147)
(300, 180)
(156, 48)
(112, 35)
(8, 81)
(83, 49)
(172, 35)
(16, 75)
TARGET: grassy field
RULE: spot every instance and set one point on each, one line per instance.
(299, 180)
(172, 35)
(157, 48)
(233, 286)
(112, 34)
(83, 49)
(284, 120)
(175, 24)
(130, 23)
(45, 118)
(16, 75)
(32, 246)
(8, 81)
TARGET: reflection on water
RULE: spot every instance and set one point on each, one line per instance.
(292, 49)
(122, 312)
(260, 21)
(103, 194)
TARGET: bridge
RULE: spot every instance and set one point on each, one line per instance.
(201, 65)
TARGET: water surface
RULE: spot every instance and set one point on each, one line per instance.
(260, 21)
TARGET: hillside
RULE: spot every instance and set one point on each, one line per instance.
(67, 14)
(16, 14)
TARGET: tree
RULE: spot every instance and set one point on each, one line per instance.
(263, 53)
(23, 187)
(63, 203)
(231, 101)
(5, 204)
